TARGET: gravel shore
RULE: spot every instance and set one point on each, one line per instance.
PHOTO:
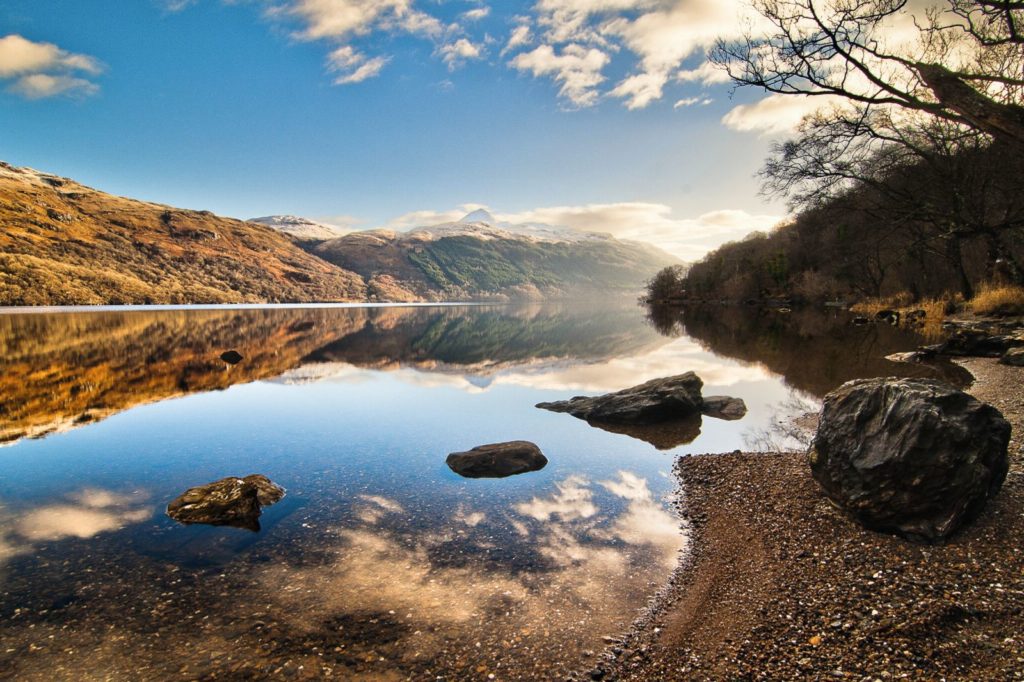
(780, 585)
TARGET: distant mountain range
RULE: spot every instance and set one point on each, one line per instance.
(64, 243)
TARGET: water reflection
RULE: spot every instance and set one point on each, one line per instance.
(380, 563)
(62, 370)
(517, 592)
(814, 350)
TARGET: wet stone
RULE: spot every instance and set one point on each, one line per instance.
(497, 460)
(231, 501)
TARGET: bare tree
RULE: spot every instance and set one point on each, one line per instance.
(965, 64)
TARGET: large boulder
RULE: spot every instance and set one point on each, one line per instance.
(498, 460)
(656, 401)
(230, 501)
(914, 457)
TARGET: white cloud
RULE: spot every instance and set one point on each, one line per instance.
(354, 66)
(476, 14)
(577, 69)
(687, 238)
(521, 35)
(38, 70)
(707, 73)
(454, 54)
(660, 35)
(775, 114)
(691, 101)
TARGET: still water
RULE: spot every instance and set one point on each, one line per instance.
(380, 563)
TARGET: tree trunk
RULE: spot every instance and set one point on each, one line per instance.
(1002, 121)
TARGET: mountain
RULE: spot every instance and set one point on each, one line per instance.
(479, 258)
(302, 229)
(64, 243)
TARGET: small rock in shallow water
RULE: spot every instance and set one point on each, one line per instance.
(724, 407)
(498, 460)
(231, 501)
(232, 357)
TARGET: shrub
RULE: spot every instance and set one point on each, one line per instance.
(998, 299)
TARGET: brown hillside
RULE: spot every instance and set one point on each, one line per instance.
(62, 243)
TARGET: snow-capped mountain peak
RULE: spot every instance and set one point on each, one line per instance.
(481, 215)
(300, 228)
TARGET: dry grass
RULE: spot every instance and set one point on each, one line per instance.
(935, 310)
(998, 299)
(870, 306)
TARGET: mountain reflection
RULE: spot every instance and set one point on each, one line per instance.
(815, 351)
(63, 370)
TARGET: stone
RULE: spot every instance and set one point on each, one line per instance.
(1013, 357)
(977, 342)
(498, 460)
(724, 407)
(230, 501)
(915, 457)
(655, 401)
(232, 357)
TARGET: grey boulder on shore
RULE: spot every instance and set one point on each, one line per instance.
(915, 457)
(498, 460)
(230, 501)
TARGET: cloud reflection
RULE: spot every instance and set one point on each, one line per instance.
(600, 546)
(85, 514)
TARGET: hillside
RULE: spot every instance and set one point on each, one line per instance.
(63, 243)
(476, 258)
(67, 244)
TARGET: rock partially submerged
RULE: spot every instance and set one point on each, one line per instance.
(914, 457)
(724, 407)
(497, 460)
(656, 401)
(231, 501)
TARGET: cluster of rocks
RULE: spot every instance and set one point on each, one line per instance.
(655, 408)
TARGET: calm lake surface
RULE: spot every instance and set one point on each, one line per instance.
(380, 563)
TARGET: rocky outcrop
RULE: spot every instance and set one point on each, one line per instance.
(230, 501)
(914, 457)
(498, 460)
(656, 401)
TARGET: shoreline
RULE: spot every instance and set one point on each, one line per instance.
(779, 584)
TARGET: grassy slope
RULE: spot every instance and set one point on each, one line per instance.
(466, 267)
(64, 243)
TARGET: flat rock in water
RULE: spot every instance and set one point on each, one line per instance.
(915, 457)
(656, 401)
(230, 501)
(498, 460)
(724, 407)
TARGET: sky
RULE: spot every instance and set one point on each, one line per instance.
(596, 114)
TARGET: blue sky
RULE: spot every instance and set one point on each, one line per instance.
(396, 112)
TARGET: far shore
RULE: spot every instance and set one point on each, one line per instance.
(779, 584)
